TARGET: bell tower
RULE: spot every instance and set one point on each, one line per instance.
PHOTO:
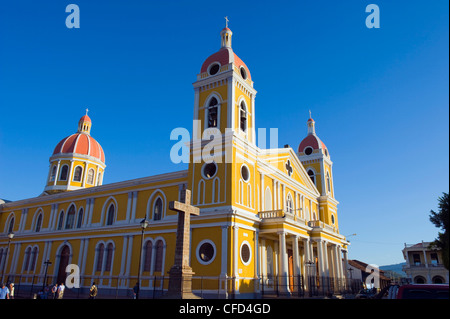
(224, 111)
(316, 159)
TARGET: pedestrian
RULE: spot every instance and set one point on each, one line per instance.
(54, 291)
(11, 290)
(93, 291)
(4, 292)
(60, 292)
(135, 290)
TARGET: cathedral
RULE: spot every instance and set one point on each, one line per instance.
(268, 217)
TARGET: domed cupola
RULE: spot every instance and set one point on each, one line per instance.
(77, 162)
(315, 158)
(225, 59)
(312, 143)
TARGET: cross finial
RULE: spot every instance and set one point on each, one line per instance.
(226, 22)
(87, 110)
(310, 114)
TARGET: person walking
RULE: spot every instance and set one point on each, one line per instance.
(54, 291)
(60, 292)
(4, 292)
(11, 290)
(93, 291)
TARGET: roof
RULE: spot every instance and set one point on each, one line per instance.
(311, 140)
(85, 118)
(363, 267)
(224, 56)
(80, 143)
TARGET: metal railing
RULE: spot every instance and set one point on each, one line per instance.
(208, 287)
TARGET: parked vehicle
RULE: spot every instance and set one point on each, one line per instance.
(365, 294)
(421, 291)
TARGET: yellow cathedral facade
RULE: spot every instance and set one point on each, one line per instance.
(268, 217)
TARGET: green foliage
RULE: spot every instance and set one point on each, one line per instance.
(440, 219)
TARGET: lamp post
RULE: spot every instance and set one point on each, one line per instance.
(10, 237)
(144, 224)
(47, 263)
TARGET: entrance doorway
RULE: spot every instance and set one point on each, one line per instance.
(63, 262)
(291, 269)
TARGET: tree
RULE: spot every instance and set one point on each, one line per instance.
(440, 220)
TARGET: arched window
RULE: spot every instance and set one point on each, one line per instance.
(243, 117)
(64, 171)
(157, 209)
(90, 176)
(38, 223)
(328, 182)
(100, 252)
(34, 254)
(148, 256)
(53, 174)
(267, 199)
(312, 176)
(109, 254)
(212, 112)
(11, 225)
(77, 174)
(70, 220)
(289, 204)
(61, 220)
(159, 255)
(80, 218)
(27, 259)
(110, 216)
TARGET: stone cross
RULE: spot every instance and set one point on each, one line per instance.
(180, 280)
(226, 22)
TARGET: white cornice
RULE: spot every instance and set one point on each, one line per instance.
(92, 191)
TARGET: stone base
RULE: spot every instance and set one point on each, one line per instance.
(180, 284)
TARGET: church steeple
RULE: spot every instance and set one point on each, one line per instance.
(84, 124)
(311, 125)
(225, 35)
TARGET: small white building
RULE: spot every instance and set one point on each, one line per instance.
(424, 264)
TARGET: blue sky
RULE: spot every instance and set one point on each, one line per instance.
(379, 96)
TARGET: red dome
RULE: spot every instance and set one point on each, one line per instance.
(313, 141)
(85, 118)
(80, 143)
(224, 56)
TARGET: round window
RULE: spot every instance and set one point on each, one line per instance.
(243, 73)
(214, 68)
(245, 173)
(209, 170)
(246, 253)
(206, 252)
(308, 150)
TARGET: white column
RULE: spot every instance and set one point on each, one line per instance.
(223, 267)
(296, 256)
(283, 281)
(325, 259)
(84, 174)
(262, 198)
(57, 172)
(236, 258)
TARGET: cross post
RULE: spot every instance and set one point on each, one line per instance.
(180, 275)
